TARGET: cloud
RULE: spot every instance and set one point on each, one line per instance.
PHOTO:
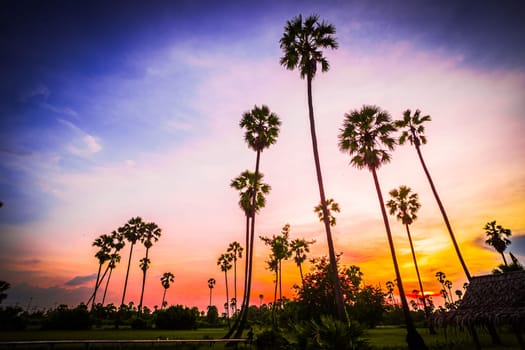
(38, 298)
(84, 144)
(79, 280)
(60, 110)
(38, 90)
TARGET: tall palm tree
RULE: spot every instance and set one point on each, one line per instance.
(166, 280)
(225, 263)
(366, 137)
(404, 205)
(211, 285)
(132, 231)
(302, 44)
(235, 249)
(331, 206)
(261, 130)
(299, 247)
(413, 131)
(117, 244)
(103, 254)
(151, 234)
(497, 238)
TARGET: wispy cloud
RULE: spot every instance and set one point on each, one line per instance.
(84, 144)
(79, 280)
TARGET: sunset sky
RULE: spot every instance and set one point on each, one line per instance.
(122, 109)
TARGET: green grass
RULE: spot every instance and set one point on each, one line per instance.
(394, 338)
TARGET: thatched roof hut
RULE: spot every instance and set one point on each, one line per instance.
(496, 299)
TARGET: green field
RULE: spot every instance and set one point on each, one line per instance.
(380, 338)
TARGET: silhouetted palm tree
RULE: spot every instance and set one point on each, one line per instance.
(211, 284)
(299, 248)
(497, 238)
(235, 250)
(225, 263)
(151, 234)
(166, 279)
(4, 286)
(103, 254)
(331, 206)
(117, 245)
(366, 137)
(261, 131)
(302, 44)
(132, 231)
(404, 205)
(414, 132)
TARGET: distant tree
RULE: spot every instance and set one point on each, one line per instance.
(132, 231)
(302, 44)
(497, 238)
(225, 263)
(103, 242)
(235, 250)
(166, 280)
(299, 247)
(261, 131)
(413, 131)
(404, 205)
(211, 284)
(150, 235)
(331, 207)
(117, 243)
(390, 292)
(366, 137)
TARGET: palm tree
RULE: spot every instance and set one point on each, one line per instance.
(211, 284)
(497, 238)
(404, 205)
(103, 254)
(366, 137)
(132, 231)
(413, 131)
(151, 234)
(261, 131)
(235, 250)
(225, 263)
(166, 279)
(299, 247)
(117, 244)
(331, 206)
(302, 44)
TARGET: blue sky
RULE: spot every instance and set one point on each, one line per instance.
(131, 108)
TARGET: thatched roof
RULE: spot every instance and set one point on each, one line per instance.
(498, 299)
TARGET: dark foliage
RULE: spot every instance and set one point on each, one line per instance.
(176, 317)
(63, 318)
(11, 319)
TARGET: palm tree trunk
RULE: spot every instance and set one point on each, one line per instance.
(280, 281)
(227, 297)
(235, 282)
(210, 296)
(143, 281)
(427, 311)
(274, 320)
(333, 261)
(163, 298)
(107, 284)
(127, 275)
(249, 255)
(96, 286)
(504, 259)
(301, 273)
(443, 213)
(414, 339)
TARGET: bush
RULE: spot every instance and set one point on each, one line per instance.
(63, 318)
(11, 319)
(176, 317)
(271, 339)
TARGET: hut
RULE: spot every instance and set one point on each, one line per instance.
(491, 300)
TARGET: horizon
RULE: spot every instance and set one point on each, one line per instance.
(111, 112)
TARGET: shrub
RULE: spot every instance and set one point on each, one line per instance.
(176, 317)
(11, 319)
(63, 318)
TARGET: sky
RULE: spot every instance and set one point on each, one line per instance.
(122, 109)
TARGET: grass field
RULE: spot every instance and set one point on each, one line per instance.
(380, 338)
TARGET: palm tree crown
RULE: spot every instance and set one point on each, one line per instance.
(245, 184)
(497, 237)
(416, 129)
(365, 135)
(404, 204)
(262, 127)
(302, 43)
